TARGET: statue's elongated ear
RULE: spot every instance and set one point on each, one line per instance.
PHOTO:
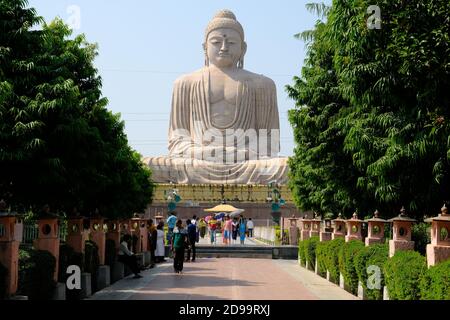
(244, 48)
(206, 54)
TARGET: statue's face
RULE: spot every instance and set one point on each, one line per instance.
(224, 47)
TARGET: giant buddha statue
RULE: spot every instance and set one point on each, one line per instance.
(224, 122)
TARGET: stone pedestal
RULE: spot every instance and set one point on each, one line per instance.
(99, 237)
(439, 248)
(325, 236)
(118, 271)
(113, 233)
(396, 245)
(293, 235)
(437, 254)
(103, 277)
(9, 252)
(76, 236)
(48, 239)
(86, 287)
(385, 293)
(361, 293)
(341, 281)
(304, 235)
(60, 292)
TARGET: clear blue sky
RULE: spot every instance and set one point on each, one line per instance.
(144, 45)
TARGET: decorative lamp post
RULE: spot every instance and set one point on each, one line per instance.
(439, 248)
(354, 226)
(113, 232)
(98, 235)
(305, 224)
(315, 226)
(376, 229)
(9, 248)
(76, 236)
(48, 236)
(293, 230)
(326, 233)
(402, 226)
(339, 227)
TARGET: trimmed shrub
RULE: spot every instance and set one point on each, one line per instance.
(39, 270)
(374, 255)
(332, 258)
(421, 236)
(91, 262)
(321, 254)
(310, 251)
(3, 275)
(435, 283)
(402, 275)
(347, 255)
(302, 253)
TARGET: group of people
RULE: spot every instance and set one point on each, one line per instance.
(183, 238)
(156, 245)
(230, 228)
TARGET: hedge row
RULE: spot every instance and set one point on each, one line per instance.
(405, 275)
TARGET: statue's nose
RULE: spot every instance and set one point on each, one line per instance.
(224, 46)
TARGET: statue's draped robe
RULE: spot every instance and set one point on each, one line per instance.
(191, 159)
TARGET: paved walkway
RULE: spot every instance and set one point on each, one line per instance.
(225, 279)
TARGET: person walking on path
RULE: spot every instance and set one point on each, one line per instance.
(234, 231)
(202, 228)
(250, 227)
(179, 243)
(212, 224)
(160, 248)
(242, 229)
(192, 237)
(227, 229)
(195, 222)
(127, 257)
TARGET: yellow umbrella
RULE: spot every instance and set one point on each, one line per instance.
(222, 208)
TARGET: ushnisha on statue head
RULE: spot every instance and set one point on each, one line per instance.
(224, 44)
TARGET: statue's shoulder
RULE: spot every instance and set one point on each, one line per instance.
(258, 80)
(190, 77)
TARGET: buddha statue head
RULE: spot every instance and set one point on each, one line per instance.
(224, 44)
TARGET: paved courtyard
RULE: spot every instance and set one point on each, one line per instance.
(225, 279)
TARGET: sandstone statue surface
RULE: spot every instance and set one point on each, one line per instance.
(224, 122)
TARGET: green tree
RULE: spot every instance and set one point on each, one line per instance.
(60, 144)
(389, 133)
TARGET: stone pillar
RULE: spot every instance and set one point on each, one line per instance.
(439, 248)
(376, 229)
(339, 227)
(9, 251)
(76, 235)
(113, 233)
(354, 226)
(305, 229)
(315, 228)
(402, 226)
(99, 237)
(293, 231)
(48, 239)
(143, 236)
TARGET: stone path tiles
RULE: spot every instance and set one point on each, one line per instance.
(225, 279)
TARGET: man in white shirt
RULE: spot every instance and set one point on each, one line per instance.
(250, 227)
(127, 257)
